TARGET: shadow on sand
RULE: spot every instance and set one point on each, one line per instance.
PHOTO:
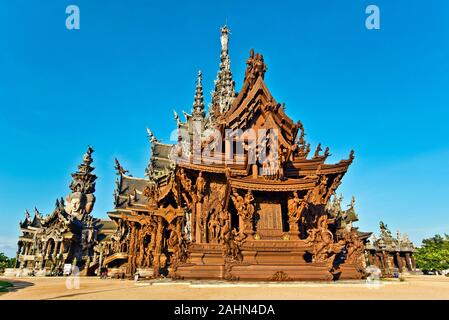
(16, 285)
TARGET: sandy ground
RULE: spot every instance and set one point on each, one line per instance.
(414, 287)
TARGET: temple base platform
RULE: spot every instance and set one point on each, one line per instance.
(261, 260)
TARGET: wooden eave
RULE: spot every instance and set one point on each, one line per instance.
(261, 184)
(315, 166)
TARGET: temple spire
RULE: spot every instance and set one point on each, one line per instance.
(81, 199)
(198, 102)
(223, 94)
(83, 180)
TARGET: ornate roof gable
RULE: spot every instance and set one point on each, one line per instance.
(255, 108)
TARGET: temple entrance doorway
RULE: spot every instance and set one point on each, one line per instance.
(270, 217)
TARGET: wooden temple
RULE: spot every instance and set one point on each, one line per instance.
(392, 255)
(241, 196)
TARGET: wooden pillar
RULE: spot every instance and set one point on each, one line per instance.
(412, 258)
(193, 224)
(198, 231)
(408, 261)
(370, 258)
(57, 248)
(385, 263)
(45, 248)
(100, 262)
(399, 260)
(158, 248)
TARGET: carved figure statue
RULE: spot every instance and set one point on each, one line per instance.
(225, 224)
(293, 207)
(355, 249)
(151, 191)
(317, 151)
(324, 248)
(238, 200)
(185, 181)
(214, 226)
(200, 186)
(224, 38)
(77, 205)
(249, 198)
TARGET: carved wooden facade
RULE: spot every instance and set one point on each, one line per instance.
(206, 211)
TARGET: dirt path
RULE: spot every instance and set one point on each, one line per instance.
(414, 287)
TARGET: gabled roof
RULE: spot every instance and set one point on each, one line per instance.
(36, 222)
(351, 215)
(160, 163)
(256, 107)
(129, 192)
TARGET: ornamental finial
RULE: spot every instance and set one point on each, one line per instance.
(198, 102)
(224, 38)
(223, 94)
(119, 168)
(151, 136)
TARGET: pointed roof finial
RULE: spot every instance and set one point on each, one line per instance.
(224, 38)
(87, 157)
(352, 204)
(151, 136)
(27, 215)
(317, 151)
(119, 168)
(224, 92)
(175, 114)
(37, 213)
(198, 102)
(351, 155)
(84, 180)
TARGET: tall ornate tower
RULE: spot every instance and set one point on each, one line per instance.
(81, 200)
(198, 103)
(224, 92)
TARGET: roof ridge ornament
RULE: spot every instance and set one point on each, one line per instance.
(256, 68)
(176, 116)
(198, 103)
(119, 168)
(27, 215)
(37, 213)
(352, 204)
(151, 136)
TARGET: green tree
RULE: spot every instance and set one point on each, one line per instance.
(433, 254)
(6, 262)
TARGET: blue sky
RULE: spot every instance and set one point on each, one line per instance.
(383, 93)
